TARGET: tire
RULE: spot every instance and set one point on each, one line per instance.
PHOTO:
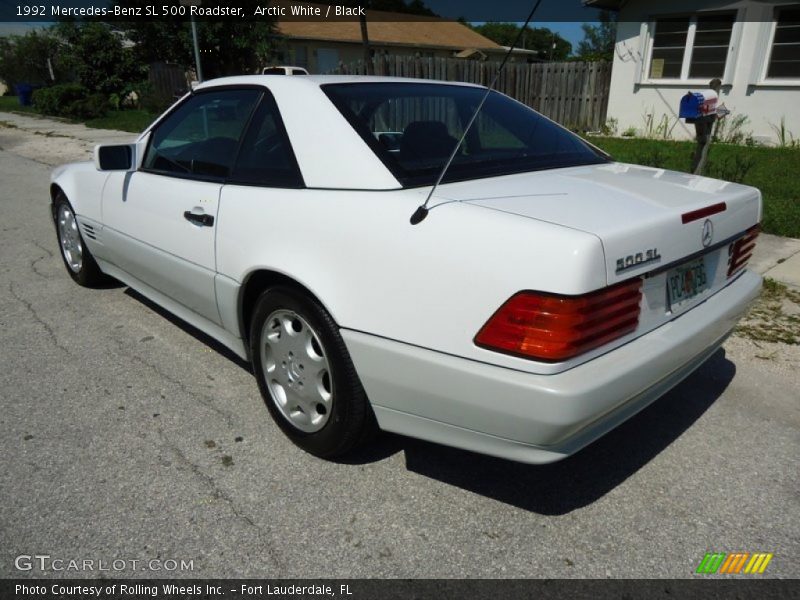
(79, 262)
(306, 376)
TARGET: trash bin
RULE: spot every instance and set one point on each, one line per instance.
(24, 93)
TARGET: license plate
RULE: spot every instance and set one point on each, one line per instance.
(686, 282)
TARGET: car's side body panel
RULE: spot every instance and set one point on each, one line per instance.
(83, 184)
(376, 273)
(144, 222)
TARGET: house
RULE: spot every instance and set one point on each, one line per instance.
(665, 48)
(322, 45)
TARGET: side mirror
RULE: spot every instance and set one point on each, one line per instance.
(114, 157)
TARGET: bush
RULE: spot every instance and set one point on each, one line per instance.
(54, 100)
(91, 107)
(70, 100)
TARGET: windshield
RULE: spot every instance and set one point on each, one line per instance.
(413, 128)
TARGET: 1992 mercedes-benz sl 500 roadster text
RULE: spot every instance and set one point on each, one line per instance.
(550, 294)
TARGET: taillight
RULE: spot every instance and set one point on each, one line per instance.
(740, 251)
(551, 327)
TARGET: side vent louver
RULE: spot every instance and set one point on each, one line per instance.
(89, 232)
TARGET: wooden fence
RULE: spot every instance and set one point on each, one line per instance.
(574, 94)
(167, 80)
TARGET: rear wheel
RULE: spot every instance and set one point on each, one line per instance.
(80, 263)
(306, 376)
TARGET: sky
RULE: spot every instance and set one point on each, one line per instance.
(571, 31)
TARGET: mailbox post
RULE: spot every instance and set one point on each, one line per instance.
(702, 110)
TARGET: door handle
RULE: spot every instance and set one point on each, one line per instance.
(199, 219)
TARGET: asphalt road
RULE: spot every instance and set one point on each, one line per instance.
(129, 436)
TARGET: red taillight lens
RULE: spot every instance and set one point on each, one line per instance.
(740, 251)
(551, 328)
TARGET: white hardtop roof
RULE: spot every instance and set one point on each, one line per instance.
(273, 81)
(330, 153)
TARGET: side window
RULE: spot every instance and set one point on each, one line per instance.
(266, 157)
(202, 136)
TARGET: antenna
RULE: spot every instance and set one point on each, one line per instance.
(422, 210)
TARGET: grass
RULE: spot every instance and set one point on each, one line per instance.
(775, 317)
(772, 170)
(11, 104)
(131, 120)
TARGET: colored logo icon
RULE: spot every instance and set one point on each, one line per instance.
(735, 563)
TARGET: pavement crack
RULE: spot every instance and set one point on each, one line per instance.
(36, 261)
(219, 494)
(29, 306)
(44, 249)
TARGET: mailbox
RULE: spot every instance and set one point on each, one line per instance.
(699, 105)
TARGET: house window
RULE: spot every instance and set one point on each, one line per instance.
(693, 47)
(669, 46)
(784, 60)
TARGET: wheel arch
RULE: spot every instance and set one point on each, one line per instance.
(55, 189)
(260, 280)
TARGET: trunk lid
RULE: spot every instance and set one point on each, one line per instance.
(637, 212)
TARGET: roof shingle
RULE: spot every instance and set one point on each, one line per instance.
(387, 28)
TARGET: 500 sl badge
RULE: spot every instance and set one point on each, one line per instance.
(638, 259)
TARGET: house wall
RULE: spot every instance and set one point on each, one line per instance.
(744, 91)
(319, 53)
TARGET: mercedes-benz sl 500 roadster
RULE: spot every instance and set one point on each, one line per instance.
(549, 293)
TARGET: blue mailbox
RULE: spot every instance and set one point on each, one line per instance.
(697, 105)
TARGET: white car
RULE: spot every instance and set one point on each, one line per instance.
(550, 294)
(284, 71)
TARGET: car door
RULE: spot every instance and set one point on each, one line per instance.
(263, 196)
(160, 221)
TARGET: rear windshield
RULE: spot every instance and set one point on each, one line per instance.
(413, 128)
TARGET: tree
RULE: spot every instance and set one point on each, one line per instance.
(32, 58)
(598, 40)
(227, 46)
(539, 39)
(97, 57)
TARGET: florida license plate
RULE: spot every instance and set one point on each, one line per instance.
(685, 282)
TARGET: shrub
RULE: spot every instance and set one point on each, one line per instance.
(730, 130)
(610, 127)
(55, 99)
(70, 100)
(91, 107)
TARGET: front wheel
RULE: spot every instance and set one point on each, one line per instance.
(306, 376)
(80, 263)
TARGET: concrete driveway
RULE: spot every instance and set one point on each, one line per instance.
(127, 435)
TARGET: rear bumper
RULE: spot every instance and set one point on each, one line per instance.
(539, 418)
